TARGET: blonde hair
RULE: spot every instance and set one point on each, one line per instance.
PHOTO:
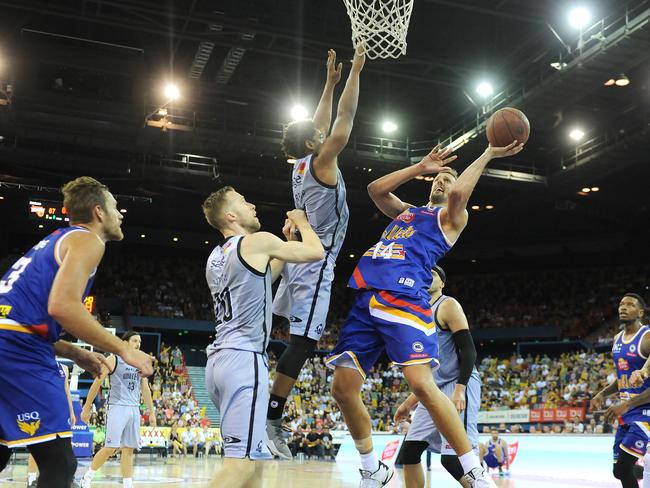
(213, 206)
(81, 196)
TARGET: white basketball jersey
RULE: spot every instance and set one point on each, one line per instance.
(125, 385)
(242, 299)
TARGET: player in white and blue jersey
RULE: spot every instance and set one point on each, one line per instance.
(123, 413)
(630, 352)
(391, 311)
(457, 377)
(239, 273)
(303, 296)
(40, 296)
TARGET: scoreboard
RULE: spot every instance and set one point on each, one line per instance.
(44, 210)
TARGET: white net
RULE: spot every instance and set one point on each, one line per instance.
(380, 26)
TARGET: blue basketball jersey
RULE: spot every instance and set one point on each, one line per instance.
(25, 288)
(402, 260)
(628, 358)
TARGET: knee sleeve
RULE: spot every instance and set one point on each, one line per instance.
(411, 452)
(5, 456)
(452, 465)
(56, 463)
(294, 356)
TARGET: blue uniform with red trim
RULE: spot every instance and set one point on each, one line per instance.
(391, 311)
(33, 404)
(633, 434)
(490, 458)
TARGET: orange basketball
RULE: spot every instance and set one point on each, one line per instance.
(506, 125)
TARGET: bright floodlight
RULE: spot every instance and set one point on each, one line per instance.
(299, 112)
(389, 126)
(576, 134)
(484, 89)
(171, 92)
(579, 17)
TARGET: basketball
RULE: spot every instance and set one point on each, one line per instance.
(506, 125)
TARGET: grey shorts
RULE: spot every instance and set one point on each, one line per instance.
(423, 429)
(123, 426)
(303, 296)
(238, 384)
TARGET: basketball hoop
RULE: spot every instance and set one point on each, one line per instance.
(380, 26)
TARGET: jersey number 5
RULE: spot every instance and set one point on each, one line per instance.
(16, 271)
(222, 306)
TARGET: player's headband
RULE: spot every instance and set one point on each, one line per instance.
(440, 272)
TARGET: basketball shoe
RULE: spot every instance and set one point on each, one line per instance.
(479, 478)
(376, 479)
(277, 443)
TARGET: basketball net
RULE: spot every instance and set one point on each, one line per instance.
(380, 26)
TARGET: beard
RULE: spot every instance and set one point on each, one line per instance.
(114, 233)
(437, 198)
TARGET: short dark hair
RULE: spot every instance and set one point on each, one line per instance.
(213, 206)
(440, 272)
(294, 137)
(128, 334)
(81, 196)
(638, 298)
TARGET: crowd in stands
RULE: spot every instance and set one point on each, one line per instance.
(578, 301)
(516, 382)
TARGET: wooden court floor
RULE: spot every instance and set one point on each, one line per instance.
(192, 473)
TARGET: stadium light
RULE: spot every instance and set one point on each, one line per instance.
(299, 112)
(576, 134)
(175, 239)
(586, 189)
(579, 17)
(595, 188)
(476, 207)
(389, 126)
(489, 207)
(123, 210)
(171, 92)
(485, 89)
(142, 236)
(622, 80)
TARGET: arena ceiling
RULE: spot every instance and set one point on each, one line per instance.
(82, 75)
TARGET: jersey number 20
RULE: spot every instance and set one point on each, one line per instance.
(222, 306)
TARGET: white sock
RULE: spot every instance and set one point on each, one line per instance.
(646, 471)
(31, 477)
(89, 474)
(127, 482)
(369, 461)
(469, 461)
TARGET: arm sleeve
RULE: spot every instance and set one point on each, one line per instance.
(466, 354)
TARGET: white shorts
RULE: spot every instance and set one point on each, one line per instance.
(423, 429)
(123, 427)
(238, 384)
(303, 296)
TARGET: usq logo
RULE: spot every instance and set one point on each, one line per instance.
(418, 346)
(28, 422)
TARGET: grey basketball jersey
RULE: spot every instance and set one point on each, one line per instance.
(449, 363)
(125, 385)
(242, 299)
(325, 205)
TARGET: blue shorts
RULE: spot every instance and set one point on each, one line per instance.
(491, 461)
(632, 438)
(379, 321)
(33, 404)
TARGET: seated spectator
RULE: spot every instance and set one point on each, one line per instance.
(314, 444)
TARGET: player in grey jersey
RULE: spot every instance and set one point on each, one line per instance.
(457, 377)
(239, 272)
(303, 296)
(123, 415)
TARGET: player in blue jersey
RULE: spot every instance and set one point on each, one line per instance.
(391, 311)
(630, 351)
(494, 452)
(303, 296)
(39, 297)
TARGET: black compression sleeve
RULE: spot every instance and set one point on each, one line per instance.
(466, 354)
